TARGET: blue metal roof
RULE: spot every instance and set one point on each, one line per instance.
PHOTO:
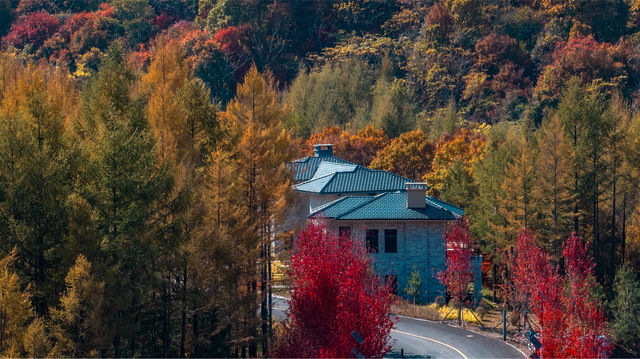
(446, 206)
(358, 180)
(341, 205)
(305, 168)
(386, 206)
(326, 168)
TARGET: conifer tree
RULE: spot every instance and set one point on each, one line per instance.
(127, 189)
(36, 339)
(261, 149)
(486, 220)
(552, 190)
(626, 308)
(570, 113)
(36, 176)
(15, 309)
(515, 206)
(77, 322)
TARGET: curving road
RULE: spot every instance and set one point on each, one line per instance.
(418, 338)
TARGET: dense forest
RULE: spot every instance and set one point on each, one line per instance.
(143, 146)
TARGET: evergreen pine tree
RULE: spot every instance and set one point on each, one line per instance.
(127, 188)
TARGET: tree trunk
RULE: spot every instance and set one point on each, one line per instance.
(183, 326)
(624, 225)
(165, 328)
(613, 226)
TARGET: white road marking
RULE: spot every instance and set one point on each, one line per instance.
(432, 340)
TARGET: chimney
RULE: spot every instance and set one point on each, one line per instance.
(323, 150)
(416, 194)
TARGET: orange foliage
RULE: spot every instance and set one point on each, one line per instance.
(466, 146)
(583, 57)
(408, 155)
(361, 147)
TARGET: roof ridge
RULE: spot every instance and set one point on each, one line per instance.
(439, 204)
(391, 173)
(314, 179)
(373, 199)
(322, 207)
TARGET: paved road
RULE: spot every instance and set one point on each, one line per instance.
(420, 339)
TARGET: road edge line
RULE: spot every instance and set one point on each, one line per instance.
(432, 340)
(471, 331)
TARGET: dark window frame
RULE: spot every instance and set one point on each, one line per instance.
(371, 240)
(391, 241)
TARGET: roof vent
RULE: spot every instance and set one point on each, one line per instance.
(416, 194)
(323, 150)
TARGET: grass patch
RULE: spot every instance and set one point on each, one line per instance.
(467, 314)
(431, 312)
(408, 309)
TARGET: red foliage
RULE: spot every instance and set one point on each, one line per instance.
(571, 317)
(438, 15)
(585, 313)
(583, 57)
(334, 293)
(494, 49)
(231, 39)
(162, 21)
(32, 29)
(458, 273)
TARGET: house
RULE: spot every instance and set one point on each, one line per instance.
(402, 229)
(402, 226)
(305, 168)
(323, 178)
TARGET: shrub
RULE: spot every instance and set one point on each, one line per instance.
(481, 312)
(440, 301)
(334, 293)
(626, 309)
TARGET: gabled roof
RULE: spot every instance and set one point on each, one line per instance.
(305, 168)
(386, 206)
(357, 180)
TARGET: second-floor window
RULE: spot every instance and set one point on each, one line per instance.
(372, 240)
(391, 241)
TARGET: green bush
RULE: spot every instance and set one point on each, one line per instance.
(626, 309)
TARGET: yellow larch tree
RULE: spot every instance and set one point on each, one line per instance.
(515, 199)
(261, 148)
(552, 197)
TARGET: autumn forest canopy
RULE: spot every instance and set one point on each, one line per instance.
(143, 146)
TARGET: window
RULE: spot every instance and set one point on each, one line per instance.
(372, 240)
(392, 281)
(344, 232)
(391, 241)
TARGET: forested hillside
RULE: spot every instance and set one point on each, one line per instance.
(143, 142)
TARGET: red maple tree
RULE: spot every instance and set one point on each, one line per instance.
(458, 274)
(32, 29)
(584, 310)
(571, 317)
(335, 292)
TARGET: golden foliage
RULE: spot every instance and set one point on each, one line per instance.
(466, 146)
